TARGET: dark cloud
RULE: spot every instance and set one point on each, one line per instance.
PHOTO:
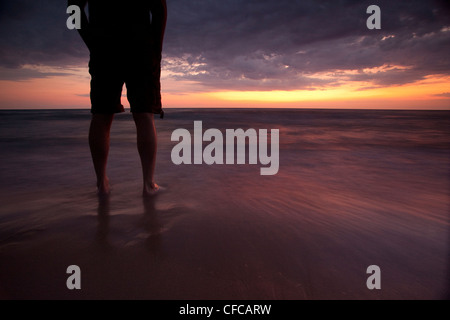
(34, 32)
(257, 44)
(444, 95)
(23, 74)
(254, 44)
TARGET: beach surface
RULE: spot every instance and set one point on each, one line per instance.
(354, 189)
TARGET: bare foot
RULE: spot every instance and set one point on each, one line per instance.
(103, 188)
(151, 190)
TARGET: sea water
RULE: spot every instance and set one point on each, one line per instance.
(354, 188)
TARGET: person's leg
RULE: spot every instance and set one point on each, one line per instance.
(147, 146)
(99, 132)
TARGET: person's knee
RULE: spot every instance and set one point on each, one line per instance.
(100, 124)
(143, 117)
(102, 118)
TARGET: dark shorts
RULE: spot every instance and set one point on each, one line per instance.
(138, 68)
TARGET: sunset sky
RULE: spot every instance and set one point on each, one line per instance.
(246, 53)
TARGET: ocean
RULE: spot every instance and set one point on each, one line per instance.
(354, 189)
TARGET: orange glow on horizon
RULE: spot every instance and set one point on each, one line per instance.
(73, 92)
(428, 89)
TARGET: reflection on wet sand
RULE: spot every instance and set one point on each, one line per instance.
(151, 224)
(148, 222)
(103, 221)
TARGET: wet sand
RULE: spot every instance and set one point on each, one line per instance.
(225, 232)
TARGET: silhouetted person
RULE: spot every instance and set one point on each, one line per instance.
(125, 41)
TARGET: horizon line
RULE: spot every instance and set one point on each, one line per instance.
(127, 110)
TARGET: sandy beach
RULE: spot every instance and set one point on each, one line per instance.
(353, 190)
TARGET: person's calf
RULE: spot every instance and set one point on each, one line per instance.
(99, 133)
(147, 147)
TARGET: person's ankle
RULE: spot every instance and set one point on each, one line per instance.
(103, 187)
(151, 189)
